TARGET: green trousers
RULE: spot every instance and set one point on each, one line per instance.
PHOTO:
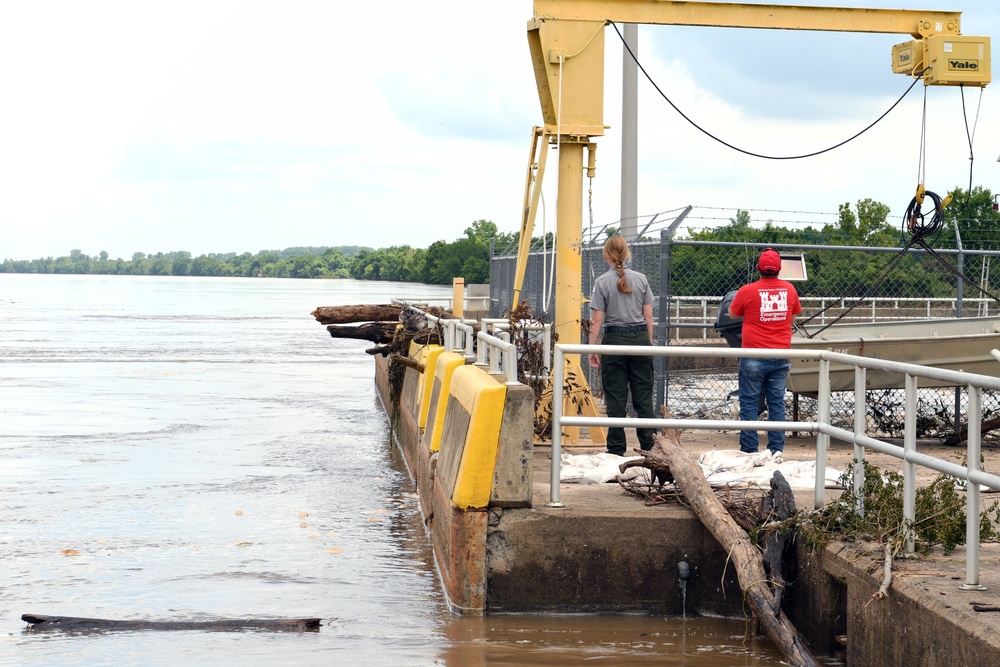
(619, 375)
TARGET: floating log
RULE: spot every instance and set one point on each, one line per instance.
(669, 458)
(368, 313)
(39, 622)
(376, 332)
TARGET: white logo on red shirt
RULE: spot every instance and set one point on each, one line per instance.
(773, 305)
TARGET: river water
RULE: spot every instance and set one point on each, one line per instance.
(200, 448)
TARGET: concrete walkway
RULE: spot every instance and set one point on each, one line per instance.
(926, 595)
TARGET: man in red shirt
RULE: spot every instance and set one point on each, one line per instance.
(768, 307)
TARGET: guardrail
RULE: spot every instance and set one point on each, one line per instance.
(972, 474)
(498, 355)
(500, 327)
(701, 311)
(448, 302)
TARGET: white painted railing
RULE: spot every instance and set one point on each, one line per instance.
(495, 354)
(701, 311)
(501, 327)
(822, 427)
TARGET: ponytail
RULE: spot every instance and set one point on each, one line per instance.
(616, 252)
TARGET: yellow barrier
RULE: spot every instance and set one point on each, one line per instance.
(471, 437)
(445, 367)
(429, 357)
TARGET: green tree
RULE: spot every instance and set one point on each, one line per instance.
(181, 264)
(978, 222)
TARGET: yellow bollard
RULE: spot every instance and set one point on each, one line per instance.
(458, 297)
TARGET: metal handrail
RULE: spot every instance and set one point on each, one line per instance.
(537, 328)
(824, 429)
(498, 355)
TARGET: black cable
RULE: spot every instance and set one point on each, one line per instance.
(737, 148)
(872, 285)
(968, 135)
(954, 271)
(915, 220)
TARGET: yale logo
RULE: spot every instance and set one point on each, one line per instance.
(905, 57)
(964, 65)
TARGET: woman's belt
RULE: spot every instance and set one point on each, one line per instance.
(628, 328)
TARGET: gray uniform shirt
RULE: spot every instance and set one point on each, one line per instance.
(621, 309)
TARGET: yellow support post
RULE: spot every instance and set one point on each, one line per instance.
(569, 297)
(532, 192)
(458, 297)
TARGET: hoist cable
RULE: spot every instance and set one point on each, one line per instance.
(737, 148)
(954, 271)
(915, 220)
(872, 285)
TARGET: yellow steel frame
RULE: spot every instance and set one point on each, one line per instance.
(566, 40)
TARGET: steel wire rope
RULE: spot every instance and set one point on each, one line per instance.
(920, 238)
(970, 135)
(859, 300)
(951, 269)
(742, 150)
(546, 295)
(546, 292)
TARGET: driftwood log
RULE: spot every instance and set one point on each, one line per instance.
(376, 332)
(668, 458)
(408, 362)
(778, 505)
(367, 313)
(962, 434)
(39, 622)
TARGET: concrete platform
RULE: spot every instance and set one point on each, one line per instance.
(927, 618)
(608, 552)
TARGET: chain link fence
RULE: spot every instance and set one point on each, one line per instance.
(843, 284)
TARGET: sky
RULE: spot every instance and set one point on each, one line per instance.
(218, 126)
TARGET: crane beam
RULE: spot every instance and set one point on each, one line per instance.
(919, 23)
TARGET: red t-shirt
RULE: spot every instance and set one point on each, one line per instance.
(767, 307)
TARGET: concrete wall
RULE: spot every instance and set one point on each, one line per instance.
(498, 554)
(924, 620)
(467, 439)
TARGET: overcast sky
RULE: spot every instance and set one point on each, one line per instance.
(241, 125)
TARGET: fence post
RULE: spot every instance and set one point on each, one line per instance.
(909, 468)
(972, 518)
(860, 426)
(558, 373)
(663, 316)
(822, 439)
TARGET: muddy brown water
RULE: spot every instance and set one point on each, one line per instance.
(196, 449)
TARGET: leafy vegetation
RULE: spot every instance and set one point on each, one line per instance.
(695, 272)
(467, 257)
(939, 514)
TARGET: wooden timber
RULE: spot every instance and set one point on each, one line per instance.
(76, 623)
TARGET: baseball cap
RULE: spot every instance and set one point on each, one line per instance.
(770, 261)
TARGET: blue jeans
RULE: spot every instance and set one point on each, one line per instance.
(768, 376)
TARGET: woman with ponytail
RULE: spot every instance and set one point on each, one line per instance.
(622, 303)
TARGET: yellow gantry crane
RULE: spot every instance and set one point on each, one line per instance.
(566, 39)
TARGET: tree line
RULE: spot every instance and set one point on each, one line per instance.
(694, 272)
(468, 257)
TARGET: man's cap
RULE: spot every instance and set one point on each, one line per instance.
(770, 261)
